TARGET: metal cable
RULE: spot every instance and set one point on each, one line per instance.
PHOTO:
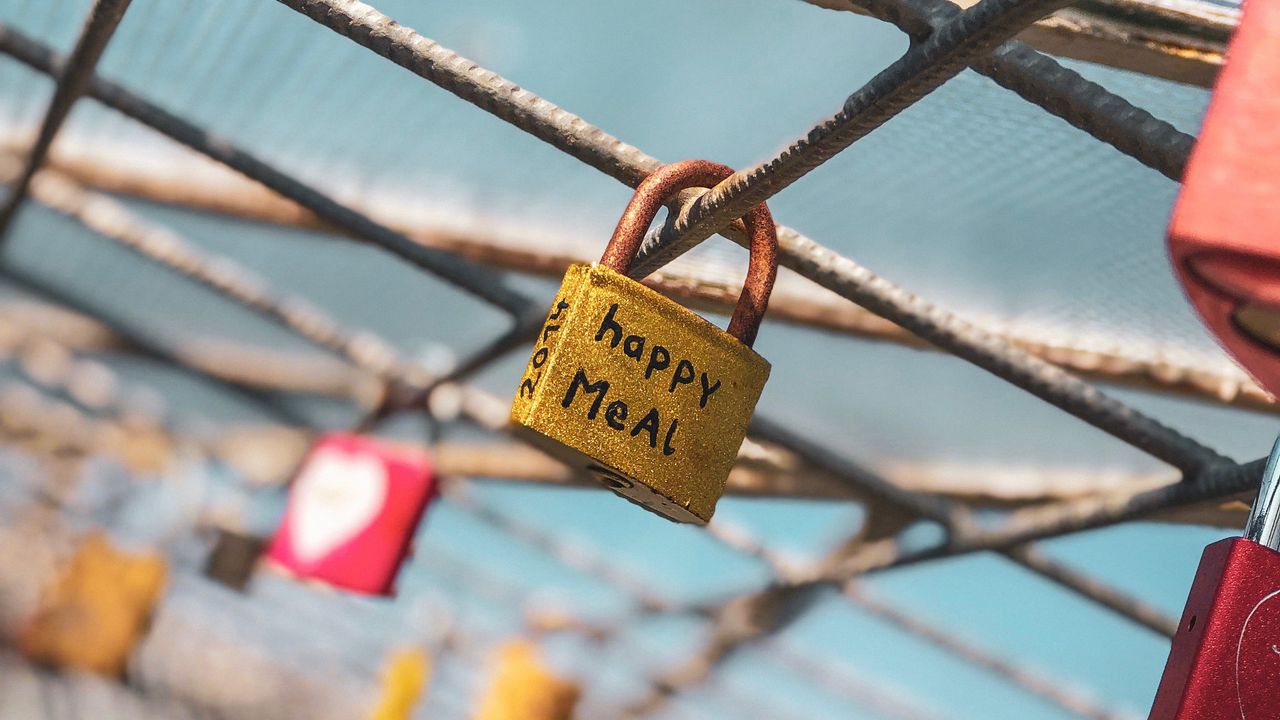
(1042, 81)
(506, 100)
(408, 385)
(73, 76)
(494, 288)
(924, 68)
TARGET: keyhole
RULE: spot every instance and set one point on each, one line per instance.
(610, 478)
(1191, 625)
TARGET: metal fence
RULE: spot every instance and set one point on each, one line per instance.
(944, 41)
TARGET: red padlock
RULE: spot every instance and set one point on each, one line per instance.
(1225, 660)
(1223, 236)
(352, 513)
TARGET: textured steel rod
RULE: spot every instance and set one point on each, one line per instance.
(954, 519)
(565, 131)
(72, 76)
(1042, 81)
(1215, 483)
(1101, 593)
(494, 94)
(494, 288)
(924, 68)
(966, 340)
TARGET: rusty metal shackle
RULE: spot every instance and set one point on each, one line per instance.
(653, 192)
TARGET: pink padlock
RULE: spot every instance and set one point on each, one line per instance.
(352, 513)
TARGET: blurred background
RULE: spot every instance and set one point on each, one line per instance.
(139, 404)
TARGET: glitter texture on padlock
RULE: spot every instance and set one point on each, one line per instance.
(634, 388)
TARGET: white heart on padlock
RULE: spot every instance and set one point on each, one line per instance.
(336, 497)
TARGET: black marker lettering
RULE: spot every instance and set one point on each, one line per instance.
(679, 378)
(610, 325)
(666, 443)
(707, 390)
(580, 378)
(615, 414)
(656, 363)
(650, 423)
(633, 346)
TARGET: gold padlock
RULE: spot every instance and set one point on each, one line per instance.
(630, 386)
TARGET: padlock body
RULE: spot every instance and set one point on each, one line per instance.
(1224, 663)
(639, 391)
(1222, 236)
(97, 611)
(352, 513)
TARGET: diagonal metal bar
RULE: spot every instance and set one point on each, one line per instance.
(369, 28)
(73, 76)
(1179, 40)
(492, 287)
(969, 342)
(1042, 81)
(1214, 483)
(953, 518)
(506, 100)
(409, 384)
(924, 68)
(1093, 112)
(789, 598)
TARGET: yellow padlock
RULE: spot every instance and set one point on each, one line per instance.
(96, 612)
(636, 389)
